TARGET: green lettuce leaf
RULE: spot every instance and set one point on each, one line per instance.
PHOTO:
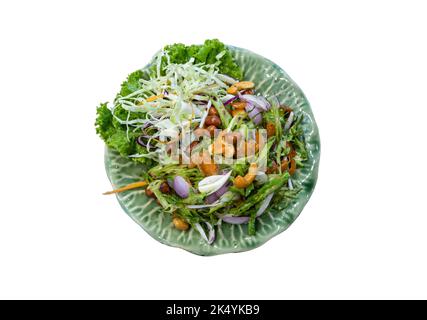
(114, 134)
(205, 53)
(104, 122)
(132, 83)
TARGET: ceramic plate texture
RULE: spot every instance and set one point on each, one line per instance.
(269, 80)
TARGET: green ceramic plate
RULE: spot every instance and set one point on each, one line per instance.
(270, 79)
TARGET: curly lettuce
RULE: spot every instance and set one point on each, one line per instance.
(115, 135)
(205, 53)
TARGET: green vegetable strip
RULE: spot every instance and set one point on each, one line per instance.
(271, 186)
(171, 170)
(223, 113)
(251, 223)
(265, 151)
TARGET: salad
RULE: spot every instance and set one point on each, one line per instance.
(212, 149)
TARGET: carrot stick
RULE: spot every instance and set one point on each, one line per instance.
(152, 98)
(130, 186)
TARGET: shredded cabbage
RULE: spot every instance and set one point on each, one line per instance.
(177, 92)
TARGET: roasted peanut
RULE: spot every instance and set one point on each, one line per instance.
(244, 85)
(260, 141)
(193, 145)
(292, 153)
(209, 169)
(232, 90)
(293, 167)
(284, 165)
(213, 121)
(237, 112)
(149, 193)
(216, 147)
(286, 109)
(212, 111)
(243, 182)
(238, 104)
(197, 158)
(221, 147)
(205, 163)
(164, 188)
(211, 130)
(271, 129)
(248, 148)
(232, 137)
(272, 168)
(228, 150)
(199, 132)
(180, 224)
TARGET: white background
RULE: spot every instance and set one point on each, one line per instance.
(362, 65)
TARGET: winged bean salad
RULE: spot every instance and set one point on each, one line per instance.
(212, 149)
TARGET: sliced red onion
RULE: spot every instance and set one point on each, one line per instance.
(254, 113)
(212, 198)
(245, 219)
(211, 233)
(181, 187)
(235, 220)
(201, 231)
(141, 142)
(289, 121)
(264, 204)
(251, 108)
(227, 97)
(146, 125)
(213, 183)
(230, 100)
(217, 194)
(257, 101)
(223, 171)
(223, 189)
(266, 103)
(257, 119)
